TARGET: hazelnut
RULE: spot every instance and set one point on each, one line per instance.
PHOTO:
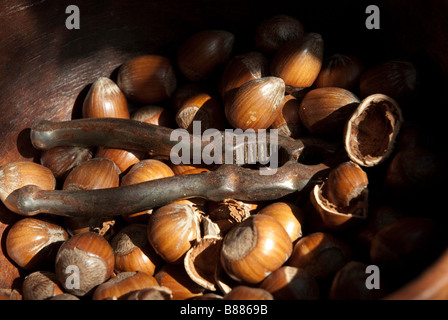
(105, 100)
(256, 104)
(254, 248)
(147, 79)
(274, 32)
(291, 283)
(325, 111)
(83, 262)
(298, 62)
(33, 243)
(201, 54)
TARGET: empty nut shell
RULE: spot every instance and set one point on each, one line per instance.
(371, 131)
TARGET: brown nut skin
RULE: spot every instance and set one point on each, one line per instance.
(174, 277)
(324, 111)
(340, 70)
(298, 62)
(321, 254)
(40, 285)
(124, 283)
(291, 283)
(254, 248)
(147, 79)
(370, 132)
(105, 100)
(290, 216)
(133, 251)
(243, 292)
(394, 78)
(241, 69)
(275, 31)
(33, 243)
(89, 254)
(172, 229)
(256, 104)
(61, 160)
(202, 53)
(349, 283)
(17, 174)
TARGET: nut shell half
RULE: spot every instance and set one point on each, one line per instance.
(371, 131)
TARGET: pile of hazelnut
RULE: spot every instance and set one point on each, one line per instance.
(316, 244)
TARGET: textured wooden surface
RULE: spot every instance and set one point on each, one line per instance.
(45, 68)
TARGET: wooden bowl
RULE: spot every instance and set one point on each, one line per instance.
(46, 68)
